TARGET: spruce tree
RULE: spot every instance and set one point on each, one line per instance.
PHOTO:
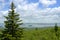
(56, 27)
(56, 31)
(12, 29)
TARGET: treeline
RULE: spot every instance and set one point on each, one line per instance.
(12, 30)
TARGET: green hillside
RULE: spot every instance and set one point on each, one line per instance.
(40, 34)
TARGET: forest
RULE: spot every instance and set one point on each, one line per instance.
(13, 31)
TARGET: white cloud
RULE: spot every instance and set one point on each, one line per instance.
(32, 6)
(48, 15)
(47, 2)
(30, 13)
(21, 2)
(1, 4)
(1, 16)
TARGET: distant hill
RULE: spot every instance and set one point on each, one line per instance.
(30, 25)
(39, 24)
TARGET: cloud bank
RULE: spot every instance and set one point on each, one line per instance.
(34, 13)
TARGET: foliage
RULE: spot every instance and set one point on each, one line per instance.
(12, 29)
(56, 31)
(40, 34)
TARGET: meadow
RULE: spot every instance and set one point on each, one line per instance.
(46, 33)
(40, 34)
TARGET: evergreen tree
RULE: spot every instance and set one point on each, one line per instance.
(12, 29)
(56, 31)
(56, 27)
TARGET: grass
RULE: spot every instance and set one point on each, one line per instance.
(40, 34)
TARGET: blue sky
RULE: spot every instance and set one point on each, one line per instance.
(33, 11)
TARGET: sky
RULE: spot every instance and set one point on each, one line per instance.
(33, 11)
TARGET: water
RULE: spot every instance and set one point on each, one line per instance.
(39, 24)
(35, 25)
